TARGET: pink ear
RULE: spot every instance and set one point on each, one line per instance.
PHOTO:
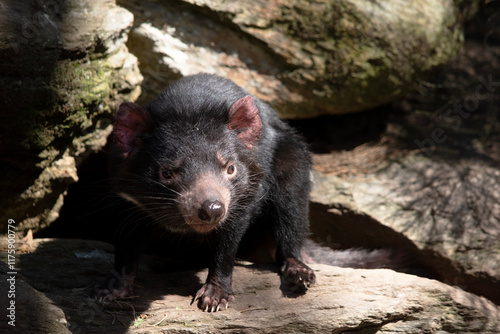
(131, 120)
(244, 116)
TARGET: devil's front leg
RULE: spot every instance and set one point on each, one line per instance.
(217, 294)
(289, 212)
(119, 283)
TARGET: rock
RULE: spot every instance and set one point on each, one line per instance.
(342, 300)
(43, 314)
(64, 69)
(449, 213)
(324, 57)
(423, 175)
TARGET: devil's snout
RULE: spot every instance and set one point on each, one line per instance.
(211, 211)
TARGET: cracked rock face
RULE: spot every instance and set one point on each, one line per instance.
(305, 59)
(65, 67)
(447, 213)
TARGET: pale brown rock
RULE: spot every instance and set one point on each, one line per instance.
(448, 212)
(304, 58)
(342, 300)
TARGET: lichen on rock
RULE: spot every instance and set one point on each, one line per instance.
(323, 57)
(66, 69)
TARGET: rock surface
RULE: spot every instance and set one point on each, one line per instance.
(64, 67)
(60, 273)
(424, 177)
(438, 209)
(323, 57)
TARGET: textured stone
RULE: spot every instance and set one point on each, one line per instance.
(343, 300)
(64, 67)
(449, 212)
(305, 59)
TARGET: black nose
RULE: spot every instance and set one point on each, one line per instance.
(211, 211)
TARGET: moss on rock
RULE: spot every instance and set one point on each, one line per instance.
(55, 93)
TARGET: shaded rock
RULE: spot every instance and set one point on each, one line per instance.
(447, 215)
(425, 179)
(32, 311)
(323, 57)
(342, 300)
(64, 67)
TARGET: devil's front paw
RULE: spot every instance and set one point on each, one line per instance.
(297, 275)
(114, 288)
(213, 297)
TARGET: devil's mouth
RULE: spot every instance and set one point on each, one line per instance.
(200, 226)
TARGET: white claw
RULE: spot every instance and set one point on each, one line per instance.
(218, 308)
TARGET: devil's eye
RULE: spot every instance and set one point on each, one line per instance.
(231, 169)
(166, 173)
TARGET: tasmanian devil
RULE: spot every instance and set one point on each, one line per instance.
(216, 172)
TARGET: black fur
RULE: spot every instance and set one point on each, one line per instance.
(161, 152)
